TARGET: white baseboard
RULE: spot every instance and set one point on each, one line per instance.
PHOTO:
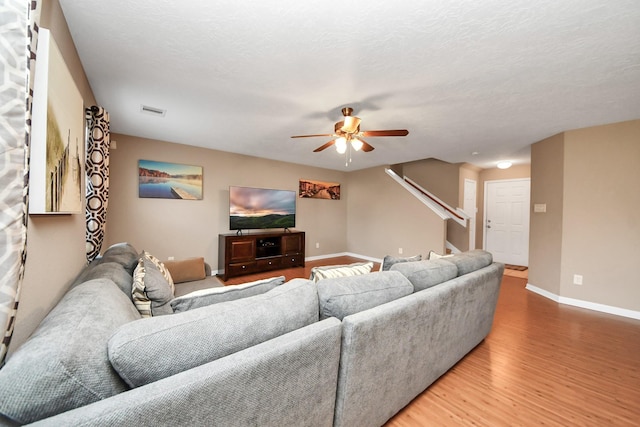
(317, 257)
(585, 304)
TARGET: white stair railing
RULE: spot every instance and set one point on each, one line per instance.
(441, 209)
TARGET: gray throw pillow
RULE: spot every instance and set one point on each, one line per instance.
(217, 295)
(471, 260)
(122, 253)
(64, 364)
(154, 348)
(342, 296)
(389, 260)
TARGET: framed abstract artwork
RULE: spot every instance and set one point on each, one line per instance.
(161, 180)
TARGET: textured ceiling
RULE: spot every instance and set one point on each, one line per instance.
(463, 76)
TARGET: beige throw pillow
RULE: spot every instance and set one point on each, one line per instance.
(186, 270)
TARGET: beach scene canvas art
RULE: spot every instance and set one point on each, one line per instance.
(161, 180)
(58, 126)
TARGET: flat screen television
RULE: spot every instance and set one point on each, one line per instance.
(258, 208)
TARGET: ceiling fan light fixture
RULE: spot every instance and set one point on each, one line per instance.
(350, 124)
(347, 133)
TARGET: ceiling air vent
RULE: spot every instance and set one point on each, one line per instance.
(153, 111)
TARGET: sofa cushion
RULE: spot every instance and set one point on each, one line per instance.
(342, 296)
(425, 274)
(122, 253)
(108, 270)
(471, 260)
(153, 348)
(389, 260)
(152, 289)
(186, 270)
(216, 295)
(208, 282)
(64, 364)
(331, 271)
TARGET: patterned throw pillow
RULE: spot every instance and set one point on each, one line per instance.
(435, 255)
(160, 266)
(332, 271)
(152, 289)
(390, 260)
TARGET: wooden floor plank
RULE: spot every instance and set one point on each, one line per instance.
(542, 364)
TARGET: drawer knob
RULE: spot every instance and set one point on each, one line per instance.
(244, 266)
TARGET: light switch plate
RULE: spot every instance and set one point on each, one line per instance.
(540, 207)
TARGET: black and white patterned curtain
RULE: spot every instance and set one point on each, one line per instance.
(97, 169)
(18, 38)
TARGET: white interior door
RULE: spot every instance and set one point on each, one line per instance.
(506, 221)
(469, 206)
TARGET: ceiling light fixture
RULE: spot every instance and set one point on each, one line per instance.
(356, 144)
(341, 145)
(505, 164)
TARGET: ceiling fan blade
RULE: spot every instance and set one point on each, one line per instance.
(311, 136)
(327, 145)
(366, 147)
(397, 132)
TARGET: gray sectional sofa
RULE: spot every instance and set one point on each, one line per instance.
(346, 351)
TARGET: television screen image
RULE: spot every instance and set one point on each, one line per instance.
(255, 208)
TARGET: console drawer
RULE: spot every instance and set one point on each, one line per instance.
(292, 260)
(269, 263)
(241, 268)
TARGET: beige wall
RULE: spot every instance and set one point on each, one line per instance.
(589, 179)
(495, 174)
(601, 221)
(383, 217)
(545, 231)
(55, 243)
(187, 228)
(440, 178)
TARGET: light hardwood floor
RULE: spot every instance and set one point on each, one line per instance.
(542, 364)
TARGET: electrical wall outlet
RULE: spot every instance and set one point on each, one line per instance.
(170, 258)
(317, 245)
(577, 279)
(400, 251)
